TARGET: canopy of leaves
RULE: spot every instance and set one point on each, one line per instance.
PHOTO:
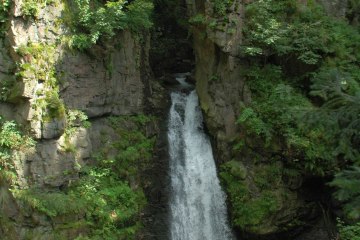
(91, 20)
(348, 182)
(305, 83)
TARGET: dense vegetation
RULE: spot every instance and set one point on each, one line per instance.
(108, 193)
(305, 111)
(105, 199)
(92, 20)
(305, 82)
(12, 139)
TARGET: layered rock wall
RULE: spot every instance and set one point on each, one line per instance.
(218, 69)
(102, 81)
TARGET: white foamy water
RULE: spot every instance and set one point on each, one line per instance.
(197, 203)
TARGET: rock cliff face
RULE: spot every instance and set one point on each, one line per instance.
(222, 90)
(218, 70)
(115, 79)
(102, 81)
(335, 8)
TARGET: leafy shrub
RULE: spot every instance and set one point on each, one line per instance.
(4, 12)
(54, 107)
(105, 194)
(76, 118)
(198, 19)
(221, 6)
(312, 111)
(349, 232)
(92, 20)
(289, 28)
(11, 139)
(41, 62)
(50, 203)
(31, 8)
(340, 111)
(251, 206)
(40, 65)
(7, 88)
(348, 190)
(277, 112)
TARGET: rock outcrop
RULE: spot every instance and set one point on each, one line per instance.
(222, 92)
(218, 70)
(100, 82)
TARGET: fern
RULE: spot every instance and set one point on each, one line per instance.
(348, 184)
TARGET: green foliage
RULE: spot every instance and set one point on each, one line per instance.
(198, 19)
(277, 113)
(251, 206)
(40, 62)
(112, 207)
(75, 118)
(92, 20)
(50, 203)
(7, 88)
(349, 232)
(53, 106)
(221, 6)
(254, 123)
(108, 194)
(134, 148)
(138, 15)
(305, 84)
(340, 111)
(287, 27)
(4, 12)
(11, 139)
(31, 8)
(348, 184)
(302, 35)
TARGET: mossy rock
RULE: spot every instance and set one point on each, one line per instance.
(237, 169)
(260, 201)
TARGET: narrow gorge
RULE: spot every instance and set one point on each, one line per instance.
(179, 119)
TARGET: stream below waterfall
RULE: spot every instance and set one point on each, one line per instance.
(197, 203)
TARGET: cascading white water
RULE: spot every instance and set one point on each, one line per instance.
(197, 203)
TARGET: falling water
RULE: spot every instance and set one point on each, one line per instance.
(197, 203)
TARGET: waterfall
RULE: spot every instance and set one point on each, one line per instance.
(197, 203)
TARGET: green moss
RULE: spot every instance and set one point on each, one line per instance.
(10, 90)
(39, 66)
(198, 19)
(39, 62)
(252, 206)
(50, 203)
(276, 118)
